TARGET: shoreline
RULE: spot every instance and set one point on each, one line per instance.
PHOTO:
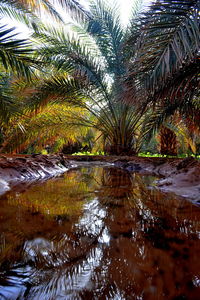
(177, 175)
(18, 169)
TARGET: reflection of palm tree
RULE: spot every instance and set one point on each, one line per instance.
(116, 245)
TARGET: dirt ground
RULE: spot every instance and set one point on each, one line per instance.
(181, 176)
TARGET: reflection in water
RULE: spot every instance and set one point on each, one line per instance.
(98, 233)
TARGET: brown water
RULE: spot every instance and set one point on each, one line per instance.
(98, 233)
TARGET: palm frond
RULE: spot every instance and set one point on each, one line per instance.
(105, 26)
(17, 13)
(175, 28)
(188, 113)
(75, 54)
(71, 91)
(8, 105)
(23, 10)
(76, 10)
(168, 47)
(133, 31)
(15, 54)
(57, 89)
(55, 122)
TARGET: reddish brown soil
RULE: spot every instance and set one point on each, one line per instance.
(181, 176)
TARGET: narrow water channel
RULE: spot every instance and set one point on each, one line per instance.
(98, 233)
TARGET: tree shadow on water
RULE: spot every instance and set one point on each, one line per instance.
(128, 242)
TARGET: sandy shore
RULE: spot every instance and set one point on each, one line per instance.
(181, 176)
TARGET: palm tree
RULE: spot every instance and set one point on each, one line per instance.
(167, 62)
(178, 126)
(168, 141)
(17, 54)
(88, 66)
(164, 73)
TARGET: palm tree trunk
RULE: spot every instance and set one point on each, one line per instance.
(168, 142)
(118, 149)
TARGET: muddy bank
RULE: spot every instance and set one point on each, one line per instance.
(180, 176)
(29, 168)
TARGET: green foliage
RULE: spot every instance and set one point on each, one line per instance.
(148, 154)
(8, 105)
(44, 152)
(89, 153)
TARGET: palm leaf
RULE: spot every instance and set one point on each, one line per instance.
(74, 54)
(18, 13)
(21, 9)
(57, 89)
(105, 26)
(169, 46)
(75, 9)
(54, 123)
(8, 105)
(15, 54)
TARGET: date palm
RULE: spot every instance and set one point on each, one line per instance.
(183, 120)
(88, 66)
(164, 73)
(167, 61)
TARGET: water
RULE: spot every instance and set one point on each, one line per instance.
(98, 233)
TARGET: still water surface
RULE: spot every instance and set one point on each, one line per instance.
(98, 233)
